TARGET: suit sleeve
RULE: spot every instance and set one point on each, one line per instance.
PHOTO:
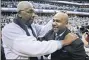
(16, 40)
(77, 50)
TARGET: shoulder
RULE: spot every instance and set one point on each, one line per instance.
(49, 34)
(11, 27)
(37, 26)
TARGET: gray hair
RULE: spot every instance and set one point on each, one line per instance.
(23, 5)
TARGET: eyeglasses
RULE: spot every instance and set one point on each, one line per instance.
(28, 11)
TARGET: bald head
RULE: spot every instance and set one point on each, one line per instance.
(60, 21)
(24, 5)
(26, 12)
(61, 16)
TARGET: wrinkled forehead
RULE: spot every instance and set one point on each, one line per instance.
(24, 5)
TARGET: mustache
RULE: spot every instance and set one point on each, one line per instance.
(54, 26)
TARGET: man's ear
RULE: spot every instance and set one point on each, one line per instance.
(66, 22)
(67, 26)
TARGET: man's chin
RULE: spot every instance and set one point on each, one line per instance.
(55, 30)
(29, 22)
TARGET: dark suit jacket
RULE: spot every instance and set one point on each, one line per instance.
(2, 52)
(75, 51)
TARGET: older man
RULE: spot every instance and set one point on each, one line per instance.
(74, 51)
(20, 36)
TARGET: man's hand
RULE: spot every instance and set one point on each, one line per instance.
(69, 38)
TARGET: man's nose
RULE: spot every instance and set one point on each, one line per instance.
(34, 15)
(54, 23)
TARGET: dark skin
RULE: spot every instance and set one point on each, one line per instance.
(27, 15)
(59, 22)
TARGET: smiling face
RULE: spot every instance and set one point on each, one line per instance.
(60, 21)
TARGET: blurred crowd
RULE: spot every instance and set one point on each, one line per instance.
(50, 6)
(74, 21)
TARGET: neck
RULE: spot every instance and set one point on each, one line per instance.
(61, 31)
(24, 21)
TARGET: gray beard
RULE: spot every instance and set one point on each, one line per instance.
(29, 22)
